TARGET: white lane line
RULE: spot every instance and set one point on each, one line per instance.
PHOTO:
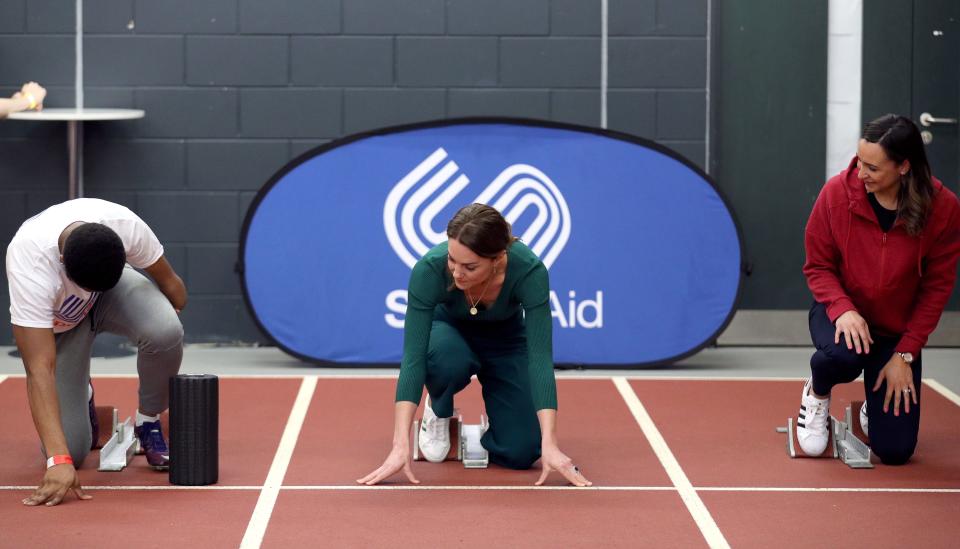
(379, 487)
(3, 378)
(712, 378)
(411, 487)
(675, 377)
(853, 490)
(506, 488)
(943, 390)
(708, 527)
(257, 526)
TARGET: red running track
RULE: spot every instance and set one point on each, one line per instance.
(727, 485)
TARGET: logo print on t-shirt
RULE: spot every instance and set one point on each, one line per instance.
(74, 309)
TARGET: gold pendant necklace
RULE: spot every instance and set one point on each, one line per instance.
(473, 305)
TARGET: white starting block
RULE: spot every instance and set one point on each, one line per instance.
(847, 440)
(853, 446)
(472, 453)
(464, 442)
(119, 450)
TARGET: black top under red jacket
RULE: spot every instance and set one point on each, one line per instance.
(897, 282)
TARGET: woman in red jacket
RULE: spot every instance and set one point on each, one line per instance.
(882, 245)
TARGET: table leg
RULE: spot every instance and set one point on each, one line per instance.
(75, 152)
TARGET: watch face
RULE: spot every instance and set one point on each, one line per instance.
(907, 357)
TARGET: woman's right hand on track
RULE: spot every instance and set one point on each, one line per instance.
(855, 330)
(399, 458)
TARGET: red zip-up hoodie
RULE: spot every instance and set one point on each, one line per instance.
(897, 282)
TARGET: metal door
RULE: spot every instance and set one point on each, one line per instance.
(935, 101)
(935, 91)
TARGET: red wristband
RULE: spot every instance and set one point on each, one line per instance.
(58, 460)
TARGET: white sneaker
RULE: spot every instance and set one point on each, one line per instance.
(863, 418)
(813, 422)
(434, 436)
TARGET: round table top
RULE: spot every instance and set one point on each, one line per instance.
(50, 115)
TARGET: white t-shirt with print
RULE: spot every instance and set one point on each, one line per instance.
(41, 294)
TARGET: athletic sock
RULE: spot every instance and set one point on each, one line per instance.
(141, 419)
(89, 391)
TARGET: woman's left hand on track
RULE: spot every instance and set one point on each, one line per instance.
(398, 460)
(899, 376)
(552, 459)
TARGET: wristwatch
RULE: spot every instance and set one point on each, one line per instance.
(907, 357)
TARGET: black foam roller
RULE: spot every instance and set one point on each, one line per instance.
(194, 419)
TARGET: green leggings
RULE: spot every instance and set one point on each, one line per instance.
(500, 363)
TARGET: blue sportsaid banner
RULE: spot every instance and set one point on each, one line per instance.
(643, 253)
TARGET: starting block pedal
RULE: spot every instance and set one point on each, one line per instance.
(472, 453)
(104, 418)
(120, 448)
(853, 411)
(847, 441)
(852, 444)
(464, 442)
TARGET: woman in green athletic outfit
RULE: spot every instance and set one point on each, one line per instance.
(479, 304)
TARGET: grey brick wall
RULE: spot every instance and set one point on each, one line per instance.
(233, 89)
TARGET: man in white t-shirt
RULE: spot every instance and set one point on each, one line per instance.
(70, 274)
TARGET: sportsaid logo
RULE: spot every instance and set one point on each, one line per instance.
(410, 220)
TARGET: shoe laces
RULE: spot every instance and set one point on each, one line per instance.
(815, 413)
(436, 427)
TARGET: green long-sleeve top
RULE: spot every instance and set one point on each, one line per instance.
(526, 288)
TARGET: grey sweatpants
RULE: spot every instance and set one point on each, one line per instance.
(134, 308)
